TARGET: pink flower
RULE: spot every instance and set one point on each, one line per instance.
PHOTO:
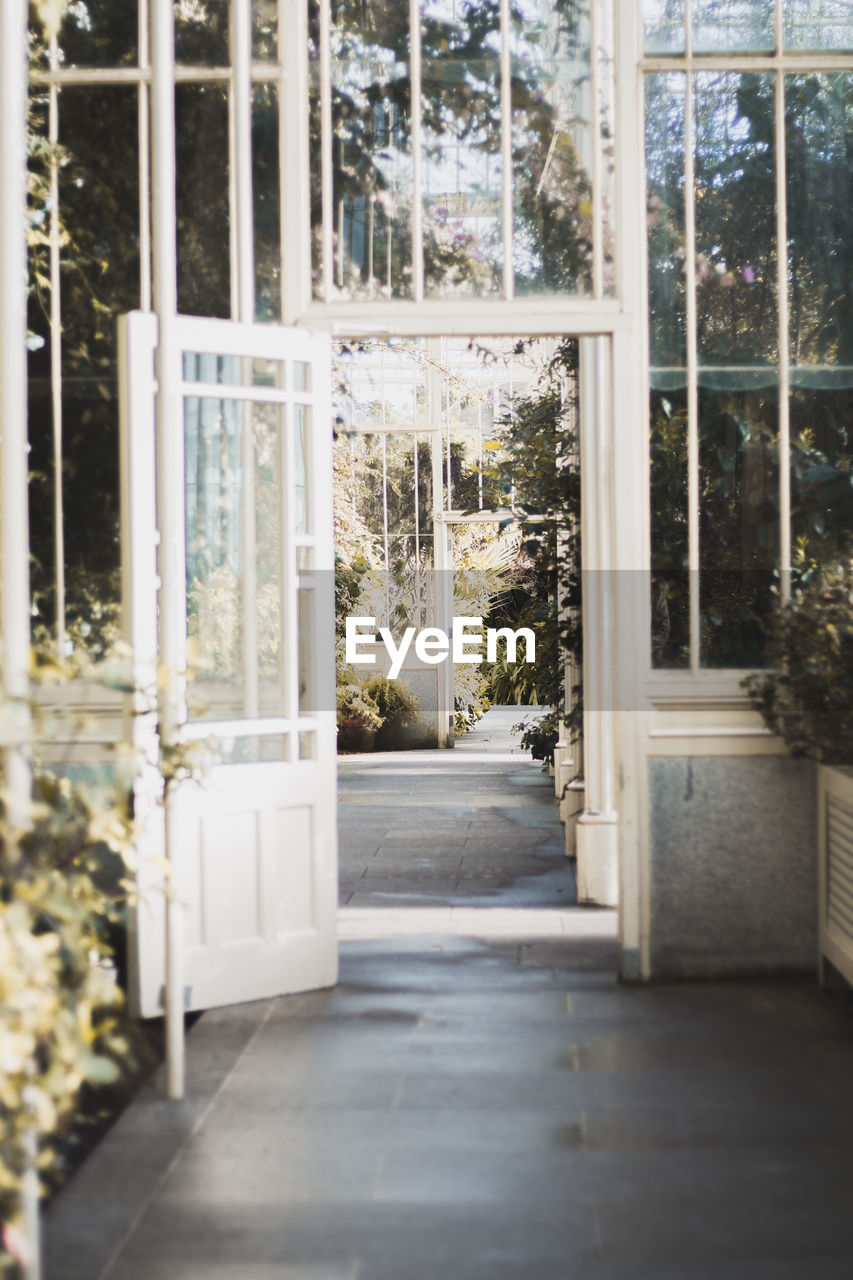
(748, 275)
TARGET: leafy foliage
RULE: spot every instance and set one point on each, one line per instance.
(808, 702)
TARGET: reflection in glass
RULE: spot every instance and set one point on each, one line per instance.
(733, 26)
(738, 522)
(553, 137)
(663, 22)
(306, 650)
(204, 271)
(818, 24)
(234, 371)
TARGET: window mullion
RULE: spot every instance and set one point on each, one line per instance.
(595, 175)
(143, 92)
(326, 144)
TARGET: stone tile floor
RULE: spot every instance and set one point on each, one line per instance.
(478, 1098)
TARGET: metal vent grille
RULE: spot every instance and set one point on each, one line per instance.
(839, 871)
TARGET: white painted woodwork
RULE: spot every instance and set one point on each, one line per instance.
(252, 851)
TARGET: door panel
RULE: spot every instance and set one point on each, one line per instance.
(254, 858)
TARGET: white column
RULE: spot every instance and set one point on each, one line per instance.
(170, 482)
(632, 553)
(598, 825)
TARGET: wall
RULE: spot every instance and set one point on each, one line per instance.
(733, 866)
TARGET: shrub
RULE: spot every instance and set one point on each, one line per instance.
(809, 700)
(357, 705)
(397, 705)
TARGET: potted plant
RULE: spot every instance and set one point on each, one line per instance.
(398, 708)
(359, 718)
(808, 701)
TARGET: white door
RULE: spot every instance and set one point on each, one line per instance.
(254, 859)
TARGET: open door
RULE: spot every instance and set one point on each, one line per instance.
(254, 858)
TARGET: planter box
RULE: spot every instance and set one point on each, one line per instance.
(835, 867)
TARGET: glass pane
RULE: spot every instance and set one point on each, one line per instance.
(738, 523)
(252, 749)
(306, 642)
(301, 376)
(820, 261)
(99, 280)
(461, 159)
(213, 431)
(99, 33)
(266, 437)
(735, 185)
(665, 140)
(235, 371)
(818, 24)
(204, 257)
(663, 21)
(267, 203)
(371, 154)
(737, 348)
(733, 26)
(221, 587)
(201, 32)
(553, 139)
(265, 30)
(302, 445)
(307, 746)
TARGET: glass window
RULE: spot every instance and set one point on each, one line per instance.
(733, 26)
(818, 24)
(663, 22)
(201, 32)
(819, 109)
(99, 33)
(665, 135)
(204, 257)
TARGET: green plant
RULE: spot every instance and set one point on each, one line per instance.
(397, 705)
(355, 703)
(540, 736)
(808, 701)
(60, 1003)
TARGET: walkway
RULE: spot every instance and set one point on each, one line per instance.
(479, 1099)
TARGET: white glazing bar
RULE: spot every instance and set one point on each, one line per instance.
(241, 157)
(243, 269)
(144, 164)
(14, 531)
(14, 449)
(289, 664)
(294, 160)
(326, 144)
(172, 603)
(782, 308)
(692, 377)
(417, 158)
(595, 126)
(506, 150)
(56, 360)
